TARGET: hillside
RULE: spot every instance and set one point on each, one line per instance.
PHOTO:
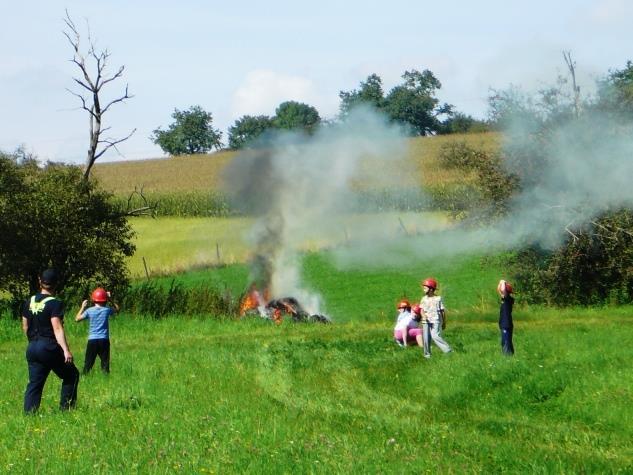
(204, 172)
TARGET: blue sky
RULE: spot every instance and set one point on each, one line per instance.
(245, 57)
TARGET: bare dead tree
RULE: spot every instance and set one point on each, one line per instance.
(91, 84)
(147, 208)
(571, 65)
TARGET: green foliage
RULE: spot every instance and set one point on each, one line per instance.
(292, 115)
(414, 104)
(153, 299)
(593, 266)
(494, 186)
(51, 217)
(248, 129)
(191, 132)
(459, 123)
(615, 92)
(369, 93)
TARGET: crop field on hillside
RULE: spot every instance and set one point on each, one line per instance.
(204, 172)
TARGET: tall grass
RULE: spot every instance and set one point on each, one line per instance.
(178, 204)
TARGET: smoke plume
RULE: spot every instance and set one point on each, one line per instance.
(586, 170)
(300, 188)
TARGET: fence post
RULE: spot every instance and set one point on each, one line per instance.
(145, 266)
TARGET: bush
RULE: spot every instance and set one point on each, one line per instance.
(488, 197)
(153, 299)
(593, 266)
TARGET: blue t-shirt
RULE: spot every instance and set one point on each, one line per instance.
(99, 322)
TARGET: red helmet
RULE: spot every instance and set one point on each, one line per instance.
(417, 309)
(99, 295)
(430, 282)
(403, 304)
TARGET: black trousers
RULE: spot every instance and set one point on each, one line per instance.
(44, 356)
(100, 347)
(506, 341)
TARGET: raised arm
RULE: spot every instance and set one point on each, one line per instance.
(80, 314)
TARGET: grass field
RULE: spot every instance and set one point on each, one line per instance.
(214, 395)
(192, 395)
(178, 244)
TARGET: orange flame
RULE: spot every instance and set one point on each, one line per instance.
(253, 299)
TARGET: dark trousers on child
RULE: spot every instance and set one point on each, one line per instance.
(506, 341)
(44, 355)
(96, 347)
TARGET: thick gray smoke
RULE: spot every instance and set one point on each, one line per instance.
(299, 187)
(588, 169)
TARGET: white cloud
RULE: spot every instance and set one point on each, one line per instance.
(263, 90)
(608, 12)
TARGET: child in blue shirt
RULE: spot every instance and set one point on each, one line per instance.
(99, 335)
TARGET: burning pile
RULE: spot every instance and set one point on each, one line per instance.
(256, 303)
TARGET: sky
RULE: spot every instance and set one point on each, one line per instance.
(246, 57)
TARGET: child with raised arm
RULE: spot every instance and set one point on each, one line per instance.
(505, 317)
(99, 335)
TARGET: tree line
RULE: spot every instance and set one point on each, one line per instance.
(412, 104)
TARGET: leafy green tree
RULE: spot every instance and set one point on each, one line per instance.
(413, 103)
(51, 216)
(247, 129)
(615, 92)
(292, 115)
(459, 123)
(191, 132)
(370, 92)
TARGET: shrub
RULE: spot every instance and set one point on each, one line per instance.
(488, 197)
(156, 300)
(593, 266)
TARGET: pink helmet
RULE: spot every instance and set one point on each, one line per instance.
(430, 282)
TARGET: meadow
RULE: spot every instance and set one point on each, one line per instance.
(207, 393)
(210, 394)
(174, 244)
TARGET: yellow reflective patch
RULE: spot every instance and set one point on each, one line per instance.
(37, 307)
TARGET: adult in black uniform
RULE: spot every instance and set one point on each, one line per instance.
(43, 325)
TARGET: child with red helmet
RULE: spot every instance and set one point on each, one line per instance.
(407, 324)
(505, 317)
(99, 334)
(433, 318)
